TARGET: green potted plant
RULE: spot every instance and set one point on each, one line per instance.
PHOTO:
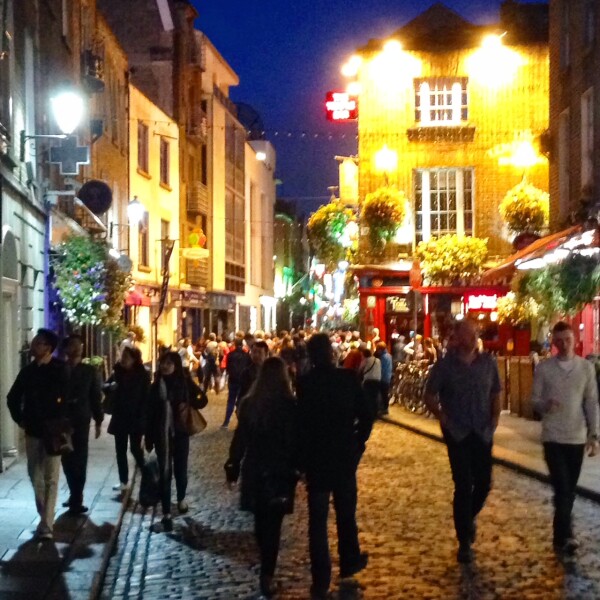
(383, 212)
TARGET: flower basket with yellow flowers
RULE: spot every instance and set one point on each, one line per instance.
(451, 259)
(383, 212)
(525, 208)
(517, 310)
(326, 232)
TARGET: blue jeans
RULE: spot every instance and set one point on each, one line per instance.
(235, 389)
(344, 502)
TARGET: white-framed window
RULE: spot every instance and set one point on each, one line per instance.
(564, 160)
(165, 161)
(143, 158)
(441, 101)
(587, 137)
(443, 202)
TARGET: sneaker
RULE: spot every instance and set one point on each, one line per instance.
(45, 536)
(120, 487)
(167, 523)
(225, 426)
(43, 532)
(464, 554)
(78, 510)
(182, 507)
(362, 562)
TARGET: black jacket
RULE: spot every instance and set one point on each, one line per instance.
(84, 397)
(267, 453)
(237, 362)
(38, 395)
(335, 422)
(129, 400)
(248, 378)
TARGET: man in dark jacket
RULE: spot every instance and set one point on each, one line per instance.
(335, 423)
(36, 398)
(237, 361)
(84, 400)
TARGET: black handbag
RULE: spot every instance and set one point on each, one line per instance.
(150, 483)
(58, 439)
(278, 488)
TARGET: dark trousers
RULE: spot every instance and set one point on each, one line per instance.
(267, 528)
(235, 388)
(344, 502)
(471, 465)
(135, 445)
(75, 463)
(371, 390)
(176, 464)
(384, 396)
(564, 464)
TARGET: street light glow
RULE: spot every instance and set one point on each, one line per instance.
(354, 88)
(386, 160)
(135, 211)
(261, 156)
(350, 69)
(68, 109)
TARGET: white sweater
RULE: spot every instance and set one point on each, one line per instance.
(576, 418)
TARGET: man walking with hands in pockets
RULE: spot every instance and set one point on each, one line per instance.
(565, 393)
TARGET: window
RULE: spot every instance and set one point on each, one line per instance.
(443, 202)
(6, 43)
(204, 164)
(564, 159)
(143, 147)
(144, 241)
(590, 22)
(441, 101)
(565, 35)
(164, 161)
(165, 231)
(587, 138)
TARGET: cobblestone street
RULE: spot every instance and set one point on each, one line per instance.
(405, 521)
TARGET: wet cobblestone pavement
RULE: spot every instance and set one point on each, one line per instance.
(405, 523)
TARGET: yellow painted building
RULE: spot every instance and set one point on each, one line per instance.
(154, 181)
(453, 114)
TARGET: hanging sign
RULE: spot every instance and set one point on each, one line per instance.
(341, 106)
(482, 302)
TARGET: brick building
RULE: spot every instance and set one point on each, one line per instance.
(574, 109)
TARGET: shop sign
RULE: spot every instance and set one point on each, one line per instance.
(397, 304)
(482, 302)
(341, 106)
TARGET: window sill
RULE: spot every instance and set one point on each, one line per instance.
(144, 269)
(441, 133)
(144, 173)
(166, 186)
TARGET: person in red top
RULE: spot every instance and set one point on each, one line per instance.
(354, 358)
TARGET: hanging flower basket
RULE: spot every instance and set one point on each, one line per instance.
(525, 211)
(517, 310)
(383, 212)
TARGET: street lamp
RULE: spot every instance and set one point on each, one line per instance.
(386, 161)
(135, 211)
(68, 108)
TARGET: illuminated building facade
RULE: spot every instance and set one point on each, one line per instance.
(452, 114)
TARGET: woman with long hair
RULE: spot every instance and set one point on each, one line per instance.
(265, 446)
(165, 431)
(127, 388)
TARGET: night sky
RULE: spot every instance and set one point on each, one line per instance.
(289, 54)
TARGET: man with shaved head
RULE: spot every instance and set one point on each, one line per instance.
(463, 392)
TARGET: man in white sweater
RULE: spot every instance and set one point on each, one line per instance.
(565, 393)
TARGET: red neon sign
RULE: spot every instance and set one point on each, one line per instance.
(341, 106)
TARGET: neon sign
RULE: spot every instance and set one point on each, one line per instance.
(341, 106)
(482, 302)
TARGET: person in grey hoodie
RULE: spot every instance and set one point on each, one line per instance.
(566, 395)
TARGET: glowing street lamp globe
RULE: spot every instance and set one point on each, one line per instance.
(68, 108)
(135, 211)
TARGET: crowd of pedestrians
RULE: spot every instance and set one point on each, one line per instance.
(305, 404)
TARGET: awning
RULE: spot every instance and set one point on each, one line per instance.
(134, 298)
(503, 272)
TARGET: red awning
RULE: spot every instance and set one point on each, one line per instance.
(504, 270)
(134, 298)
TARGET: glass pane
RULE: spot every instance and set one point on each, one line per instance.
(433, 180)
(468, 222)
(451, 179)
(435, 222)
(467, 178)
(452, 222)
(419, 224)
(418, 201)
(452, 201)
(467, 201)
(444, 221)
(435, 202)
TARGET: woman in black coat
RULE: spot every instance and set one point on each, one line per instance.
(165, 431)
(127, 389)
(265, 446)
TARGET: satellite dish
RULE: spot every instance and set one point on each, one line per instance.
(96, 195)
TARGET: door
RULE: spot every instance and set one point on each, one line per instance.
(8, 369)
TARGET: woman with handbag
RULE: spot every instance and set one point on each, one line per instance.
(126, 398)
(172, 418)
(266, 440)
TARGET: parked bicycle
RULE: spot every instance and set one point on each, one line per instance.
(408, 386)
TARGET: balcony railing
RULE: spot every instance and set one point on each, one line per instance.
(225, 101)
(197, 198)
(197, 125)
(92, 70)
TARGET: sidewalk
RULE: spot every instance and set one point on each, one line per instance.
(72, 567)
(516, 445)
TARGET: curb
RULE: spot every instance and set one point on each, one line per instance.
(110, 545)
(509, 464)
